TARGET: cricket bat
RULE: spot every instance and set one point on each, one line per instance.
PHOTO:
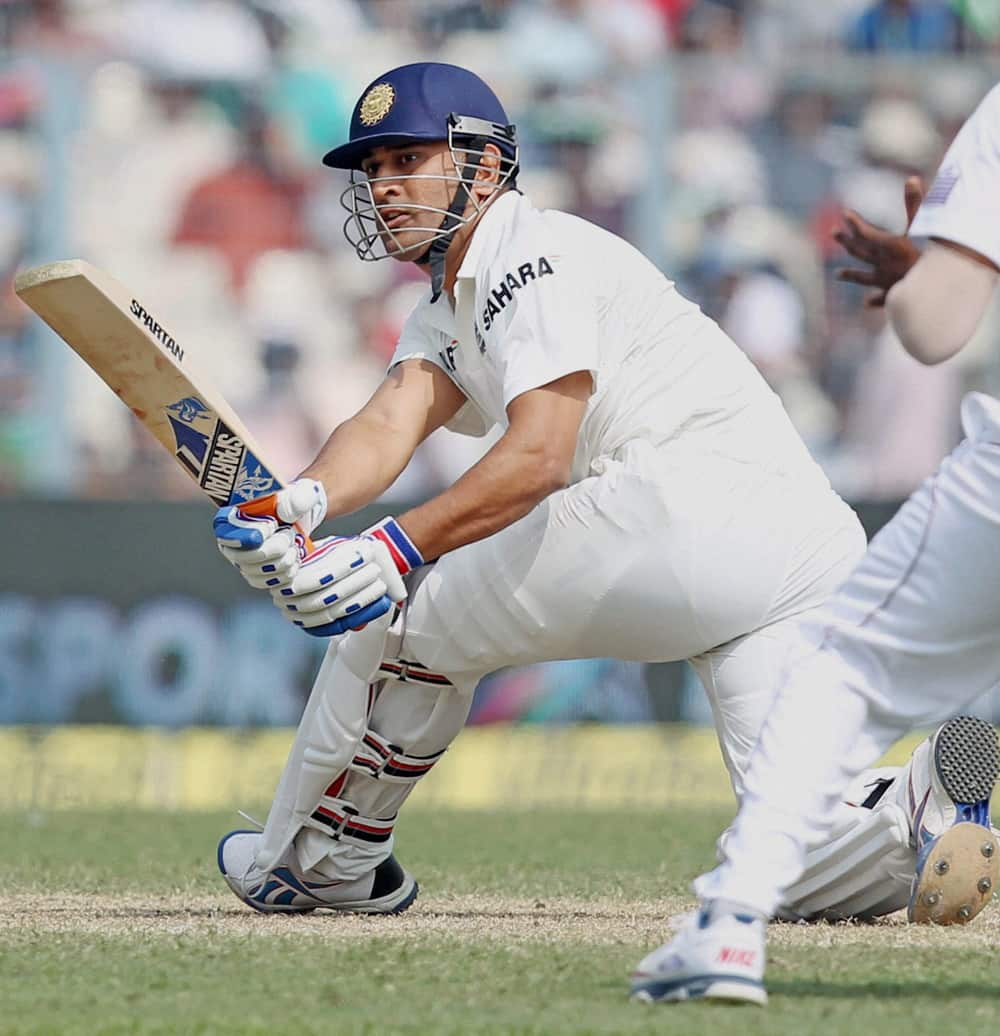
(135, 354)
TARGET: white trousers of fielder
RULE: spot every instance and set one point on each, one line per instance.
(912, 638)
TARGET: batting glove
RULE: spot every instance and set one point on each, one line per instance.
(266, 539)
(345, 583)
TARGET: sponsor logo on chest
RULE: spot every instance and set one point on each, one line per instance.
(498, 297)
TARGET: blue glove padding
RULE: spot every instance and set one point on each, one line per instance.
(240, 531)
(351, 622)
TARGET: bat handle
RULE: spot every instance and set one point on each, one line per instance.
(267, 507)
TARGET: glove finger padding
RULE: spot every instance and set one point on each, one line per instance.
(354, 621)
(274, 576)
(346, 608)
(272, 564)
(330, 561)
(274, 547)
(363, 586)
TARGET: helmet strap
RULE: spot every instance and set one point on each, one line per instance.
(435, 255)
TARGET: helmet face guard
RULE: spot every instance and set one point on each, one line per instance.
(366, 230)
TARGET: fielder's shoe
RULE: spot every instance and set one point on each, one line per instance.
(947, 784)
(719, 958)
(286, 889)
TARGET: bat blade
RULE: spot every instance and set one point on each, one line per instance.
(136, 355)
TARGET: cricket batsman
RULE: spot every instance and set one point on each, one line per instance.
(648, 499)
(912, 636)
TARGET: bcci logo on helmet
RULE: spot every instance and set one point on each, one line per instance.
(376, 104)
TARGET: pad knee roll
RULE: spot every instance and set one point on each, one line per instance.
(864, 870)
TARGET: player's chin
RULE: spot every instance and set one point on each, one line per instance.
(406, 246)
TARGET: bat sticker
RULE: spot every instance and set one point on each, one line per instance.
(215, 455)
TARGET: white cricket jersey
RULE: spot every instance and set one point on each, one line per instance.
(542, 294)
(963, 203)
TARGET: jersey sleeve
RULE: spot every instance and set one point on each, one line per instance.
(540, 321)
(418, 342)
(963, 202)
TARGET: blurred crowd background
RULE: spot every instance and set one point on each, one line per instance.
(177, 144)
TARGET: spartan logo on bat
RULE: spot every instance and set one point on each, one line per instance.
(153, 326)
(215, 455)
(224, 463)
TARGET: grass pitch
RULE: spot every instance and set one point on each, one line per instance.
(527, 925)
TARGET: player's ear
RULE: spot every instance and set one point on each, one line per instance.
(489, 169)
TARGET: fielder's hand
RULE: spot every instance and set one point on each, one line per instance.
(889, 256)
(345, 583)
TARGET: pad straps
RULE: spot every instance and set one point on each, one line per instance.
(411, 672)
(342, 822)
(376, 757)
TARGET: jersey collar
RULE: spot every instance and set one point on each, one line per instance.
(489, 227)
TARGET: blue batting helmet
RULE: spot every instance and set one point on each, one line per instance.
(419, 102)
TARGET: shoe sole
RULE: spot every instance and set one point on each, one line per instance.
(957, 877)
(388, 905)
(967, 760)
(395, 902)
(959, 870)
(717, 990)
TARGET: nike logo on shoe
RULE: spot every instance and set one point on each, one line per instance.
(735, 955)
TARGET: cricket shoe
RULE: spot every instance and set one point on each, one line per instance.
(287, 889)
(720, 958)
(947, 787)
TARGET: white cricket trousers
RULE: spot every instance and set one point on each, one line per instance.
(912, 638)
(663, 554)
(681, 551)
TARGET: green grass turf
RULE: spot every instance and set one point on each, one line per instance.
(480, 969)
(584, 855)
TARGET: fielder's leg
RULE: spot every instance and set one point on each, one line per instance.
(919, 837)
(914, 633)
(864, 866)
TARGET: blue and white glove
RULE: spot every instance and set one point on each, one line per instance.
(327, 587)
(267, 538)
(345, 583)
